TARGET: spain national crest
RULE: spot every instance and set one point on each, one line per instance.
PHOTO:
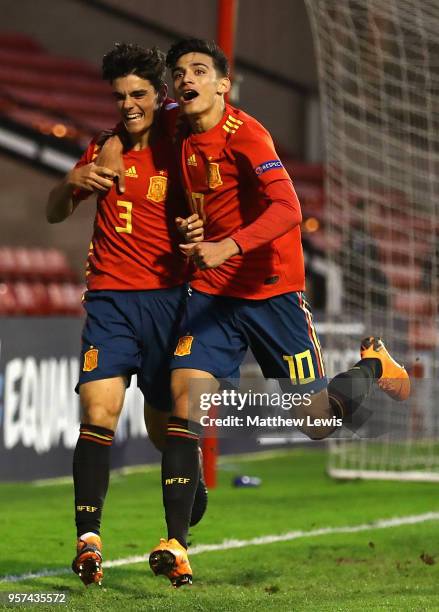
(90, 360)
(213, 175)
(158, 186)
(184, 346)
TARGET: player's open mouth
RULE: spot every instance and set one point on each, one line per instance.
(133, 117)
(189, 95)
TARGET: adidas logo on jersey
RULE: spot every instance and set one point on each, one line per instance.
(192, 160)
(132, 172)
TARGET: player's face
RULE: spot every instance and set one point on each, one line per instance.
(198, 88)
(137, 101)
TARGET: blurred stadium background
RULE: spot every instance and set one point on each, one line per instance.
(52, 101)
(349, 91)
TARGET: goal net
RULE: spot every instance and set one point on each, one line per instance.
(378, 65)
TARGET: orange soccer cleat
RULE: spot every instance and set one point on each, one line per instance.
(88, 561)
(394, 379)
(170, 559)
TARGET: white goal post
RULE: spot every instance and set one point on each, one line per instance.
(378, 66)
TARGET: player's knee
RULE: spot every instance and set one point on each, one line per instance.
(102, 401)
(318, 407)
(96, 412)
(102, 415)
(318, 417)
(187, 388)
(180, 394)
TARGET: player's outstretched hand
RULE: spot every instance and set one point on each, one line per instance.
(110, 156)
(92, 177)
(210, 254)
(191, 228)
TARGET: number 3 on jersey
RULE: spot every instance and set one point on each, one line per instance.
(126, 215)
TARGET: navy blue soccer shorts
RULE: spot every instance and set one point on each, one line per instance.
(132, 332)
(216, 331)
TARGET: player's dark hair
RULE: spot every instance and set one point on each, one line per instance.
(129, 58)
(198, 45)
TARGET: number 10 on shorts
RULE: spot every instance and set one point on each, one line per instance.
(296, 367)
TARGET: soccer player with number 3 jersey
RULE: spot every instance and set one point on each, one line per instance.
(136, 282)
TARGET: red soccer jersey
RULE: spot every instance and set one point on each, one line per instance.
(227, 172)
(135, 240)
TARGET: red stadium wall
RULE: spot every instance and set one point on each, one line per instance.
(91, 32)
(22, 201)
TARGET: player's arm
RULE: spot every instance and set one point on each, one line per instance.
(257, 159)
(77, 185)
(210, 254)
(282, 214)
(110, 156)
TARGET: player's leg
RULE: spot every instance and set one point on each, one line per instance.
(284, 342)
(393, 378)
(156, 422)
(180, 475)
(209, 349)
(318, 409)
(162, 313)
(109, 356)
(286, 345)
(101, 404)
(348, 390)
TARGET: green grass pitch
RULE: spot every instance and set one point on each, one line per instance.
(375, 569)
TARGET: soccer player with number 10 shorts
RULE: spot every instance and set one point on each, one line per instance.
(248, 288)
